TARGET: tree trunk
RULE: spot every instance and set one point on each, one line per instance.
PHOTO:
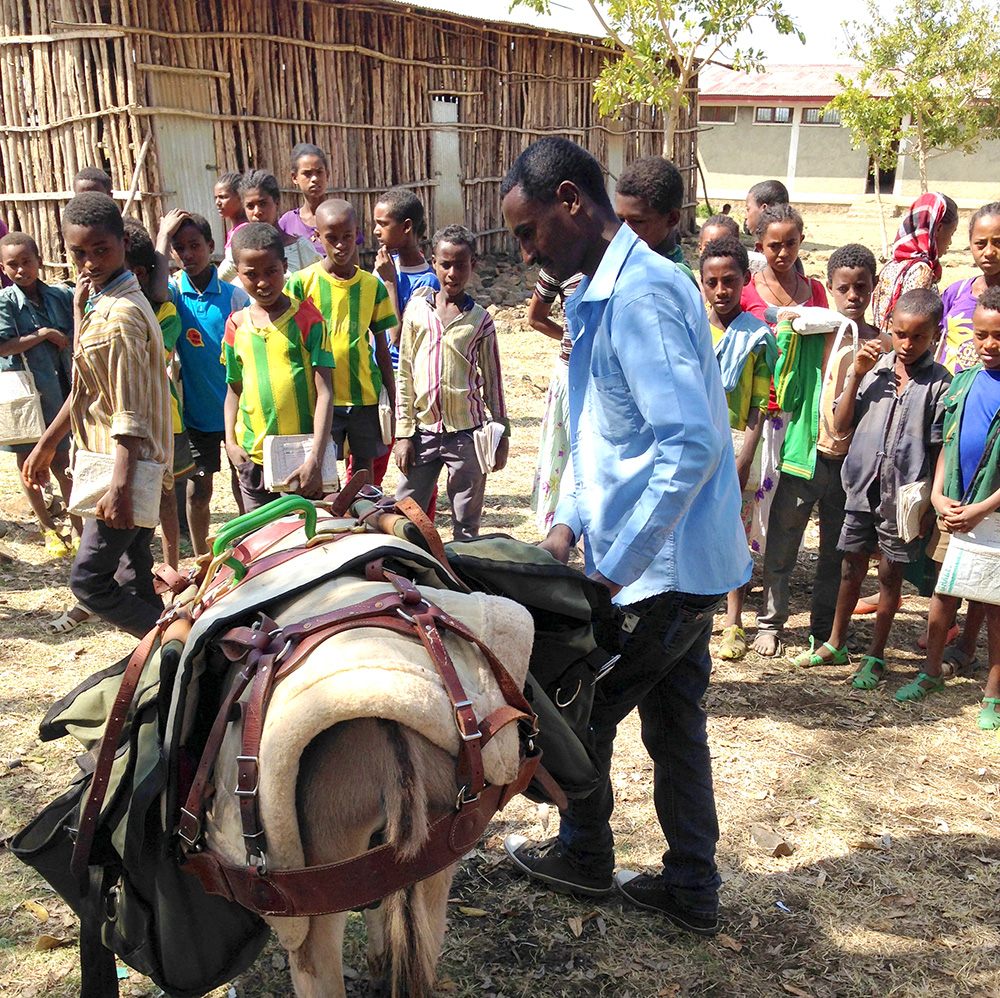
(921, 151)
(881, 209)
(673, 117)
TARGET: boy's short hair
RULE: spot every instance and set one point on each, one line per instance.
(140, 252)
(655, 181)
(94, 175)
(257, 236)
(726, 221)
(201, 224)
(921, 301)
(20, 239)
(307, 149)
(231, 181)
(457, 235)
(545, 164)
(773, 213)
(93, 209)
(852, 255)
(726, 248)
(991, 210)
(989, 299)
(769, 192)
(260, 180)
(403, 204)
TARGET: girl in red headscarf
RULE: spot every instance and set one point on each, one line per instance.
(925, 233)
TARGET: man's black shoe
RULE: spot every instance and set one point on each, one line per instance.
(653, 894)
(545, 861)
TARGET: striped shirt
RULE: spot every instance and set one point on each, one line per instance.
(274, 364)
(350, 309)
(119, 379)
(448, 375)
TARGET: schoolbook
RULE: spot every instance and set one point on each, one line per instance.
(283, 454)
(486, 439)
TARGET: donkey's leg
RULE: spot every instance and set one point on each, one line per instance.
(317, 965)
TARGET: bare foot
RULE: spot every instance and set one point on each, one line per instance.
(768, 644)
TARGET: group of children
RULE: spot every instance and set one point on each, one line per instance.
(288, 335)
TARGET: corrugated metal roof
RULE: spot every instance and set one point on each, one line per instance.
(812, 83)
(571, 17)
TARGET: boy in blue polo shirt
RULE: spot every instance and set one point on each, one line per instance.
(204, 304)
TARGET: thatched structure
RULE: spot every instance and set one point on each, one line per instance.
(166, 95)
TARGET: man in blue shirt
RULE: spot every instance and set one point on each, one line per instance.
(204, 304)
(657, 502)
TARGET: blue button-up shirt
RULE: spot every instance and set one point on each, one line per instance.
(656, 498)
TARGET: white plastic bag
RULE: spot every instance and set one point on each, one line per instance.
(92, 478)
(971, 568)
(21, 419)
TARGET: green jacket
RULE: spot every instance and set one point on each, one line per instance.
(987, 477)
(798, 387)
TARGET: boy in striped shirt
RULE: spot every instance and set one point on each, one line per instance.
(449, 373)
(357, 310)
(278, 369)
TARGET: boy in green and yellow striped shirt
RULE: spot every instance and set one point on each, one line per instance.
(278, 369)
(357, 310)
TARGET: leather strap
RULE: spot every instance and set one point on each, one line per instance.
(109, 746)
(167, 579)
(341, 501)
(410, 508)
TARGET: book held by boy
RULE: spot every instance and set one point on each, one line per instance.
(486, 439)
(284, 454)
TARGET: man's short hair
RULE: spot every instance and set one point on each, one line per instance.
(726, 221)
(989, 299)
(769, 192)
(925, 302)
(655, 181)
(257, 236)
(200, 223)
(852, 255)
(545, 164)
(403, 204)
(94, 175)
(93, 209)
(726, 248)
(140, 252)
(457, 235)
(20, 239)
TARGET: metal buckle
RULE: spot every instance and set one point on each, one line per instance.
(458, 724)
(191, 841)
(256, 761)
(261, 867)
(462, 799)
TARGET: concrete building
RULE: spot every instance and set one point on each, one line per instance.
(772, 124)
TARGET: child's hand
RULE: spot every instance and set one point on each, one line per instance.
(404, 454)
(962, 519)
(84, 289)
(237, 455)
(927, 521)
(171, 222)
(35, 470)
(384, 266)
(944, 505)
(503, 449)
(115, 507)
(306, 479)
(56, 337)
(787, 315)
(867, 357)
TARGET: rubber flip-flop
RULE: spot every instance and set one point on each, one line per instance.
(865, 678)
(955, 662)
(916, 691)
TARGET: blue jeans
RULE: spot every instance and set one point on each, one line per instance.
(664, 671)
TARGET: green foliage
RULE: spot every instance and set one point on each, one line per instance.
(873, 122)
(664, 41)
(934, 60)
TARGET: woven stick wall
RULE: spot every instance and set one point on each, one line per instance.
(358, 79)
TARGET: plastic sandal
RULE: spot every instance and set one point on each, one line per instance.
(810, 659)
(915, 691)
(865, 678)
(54, 544)
(952, 634)
(734, 643)
(989, 716)
(66, 621)
(955, 662)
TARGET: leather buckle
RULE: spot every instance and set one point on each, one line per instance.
(254, 761)
(461, 705)
(189, 829)
(462, 799)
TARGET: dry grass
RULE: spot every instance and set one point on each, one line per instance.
(891, 810)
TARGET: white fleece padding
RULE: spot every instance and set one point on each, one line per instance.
(368, 672)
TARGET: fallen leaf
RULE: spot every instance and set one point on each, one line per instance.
(771, 841)
(38, 910)
(51, 942)
(866, 844)
(575, 926)
(793, 990)
(754, 922)
(723, 940)
(474, 912)
(446, 984)
(601, 926)
(787, 821)
(900, 900)
(34, 767)
(821, 878)
(669, 991)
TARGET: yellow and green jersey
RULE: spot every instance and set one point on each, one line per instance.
(353, 309)
(170, 328)
(274, 364)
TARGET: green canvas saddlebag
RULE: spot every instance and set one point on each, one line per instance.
(576, 643)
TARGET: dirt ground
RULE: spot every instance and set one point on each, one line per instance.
(889, 811)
